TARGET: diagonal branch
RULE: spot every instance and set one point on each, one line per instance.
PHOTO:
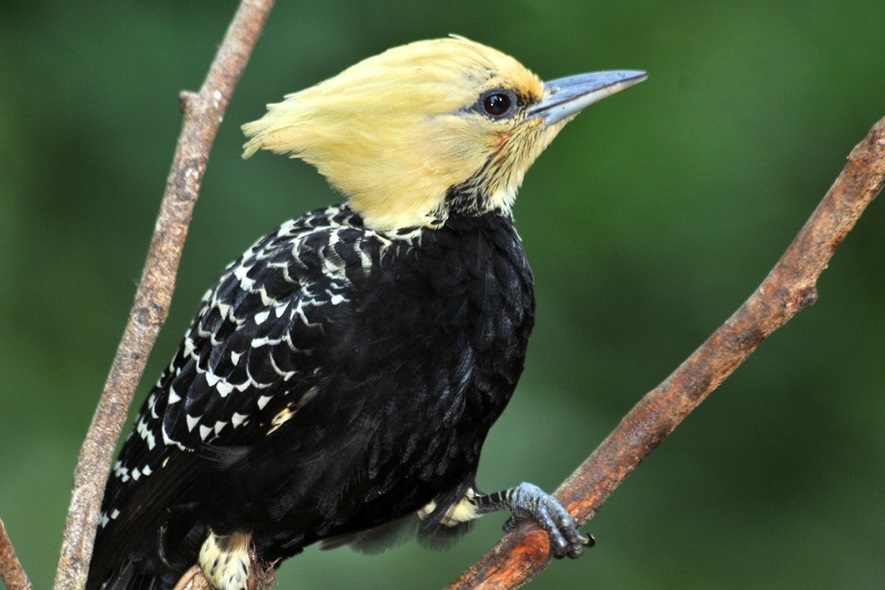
(11, 571)
(788, 288)
(202, 115)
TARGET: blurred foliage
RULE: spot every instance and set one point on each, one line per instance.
(647, 222)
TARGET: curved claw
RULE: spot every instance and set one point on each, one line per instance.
(528, 502)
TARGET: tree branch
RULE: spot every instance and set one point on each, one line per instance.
(788, 288)
(202, 116)
(11, 571)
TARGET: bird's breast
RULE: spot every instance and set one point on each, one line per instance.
(448, 316)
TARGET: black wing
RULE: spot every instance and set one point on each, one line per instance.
(243, 369)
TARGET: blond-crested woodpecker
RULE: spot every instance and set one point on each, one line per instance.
(342, 375)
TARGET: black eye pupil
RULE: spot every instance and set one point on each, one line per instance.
(496, 104)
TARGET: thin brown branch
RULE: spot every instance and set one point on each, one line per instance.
(11, 571)
(788, 288)
(202, 115)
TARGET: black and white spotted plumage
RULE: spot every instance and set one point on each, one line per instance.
(334, 379)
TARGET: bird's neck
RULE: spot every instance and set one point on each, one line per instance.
(475, 197)
(467, 207)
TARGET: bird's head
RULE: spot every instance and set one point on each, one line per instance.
(425, 129)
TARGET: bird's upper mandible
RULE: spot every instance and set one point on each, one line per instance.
(400, 132)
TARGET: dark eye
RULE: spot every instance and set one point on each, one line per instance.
(497, 103)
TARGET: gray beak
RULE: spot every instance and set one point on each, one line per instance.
(565, 97)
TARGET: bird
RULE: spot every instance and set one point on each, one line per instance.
(339, 380)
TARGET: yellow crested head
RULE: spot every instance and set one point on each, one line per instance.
(411, 133)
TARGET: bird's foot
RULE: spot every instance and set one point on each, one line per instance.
(528, 502)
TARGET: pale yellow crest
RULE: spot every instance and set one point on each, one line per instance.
(397, 131)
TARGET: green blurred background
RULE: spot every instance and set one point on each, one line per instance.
(649, 220)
